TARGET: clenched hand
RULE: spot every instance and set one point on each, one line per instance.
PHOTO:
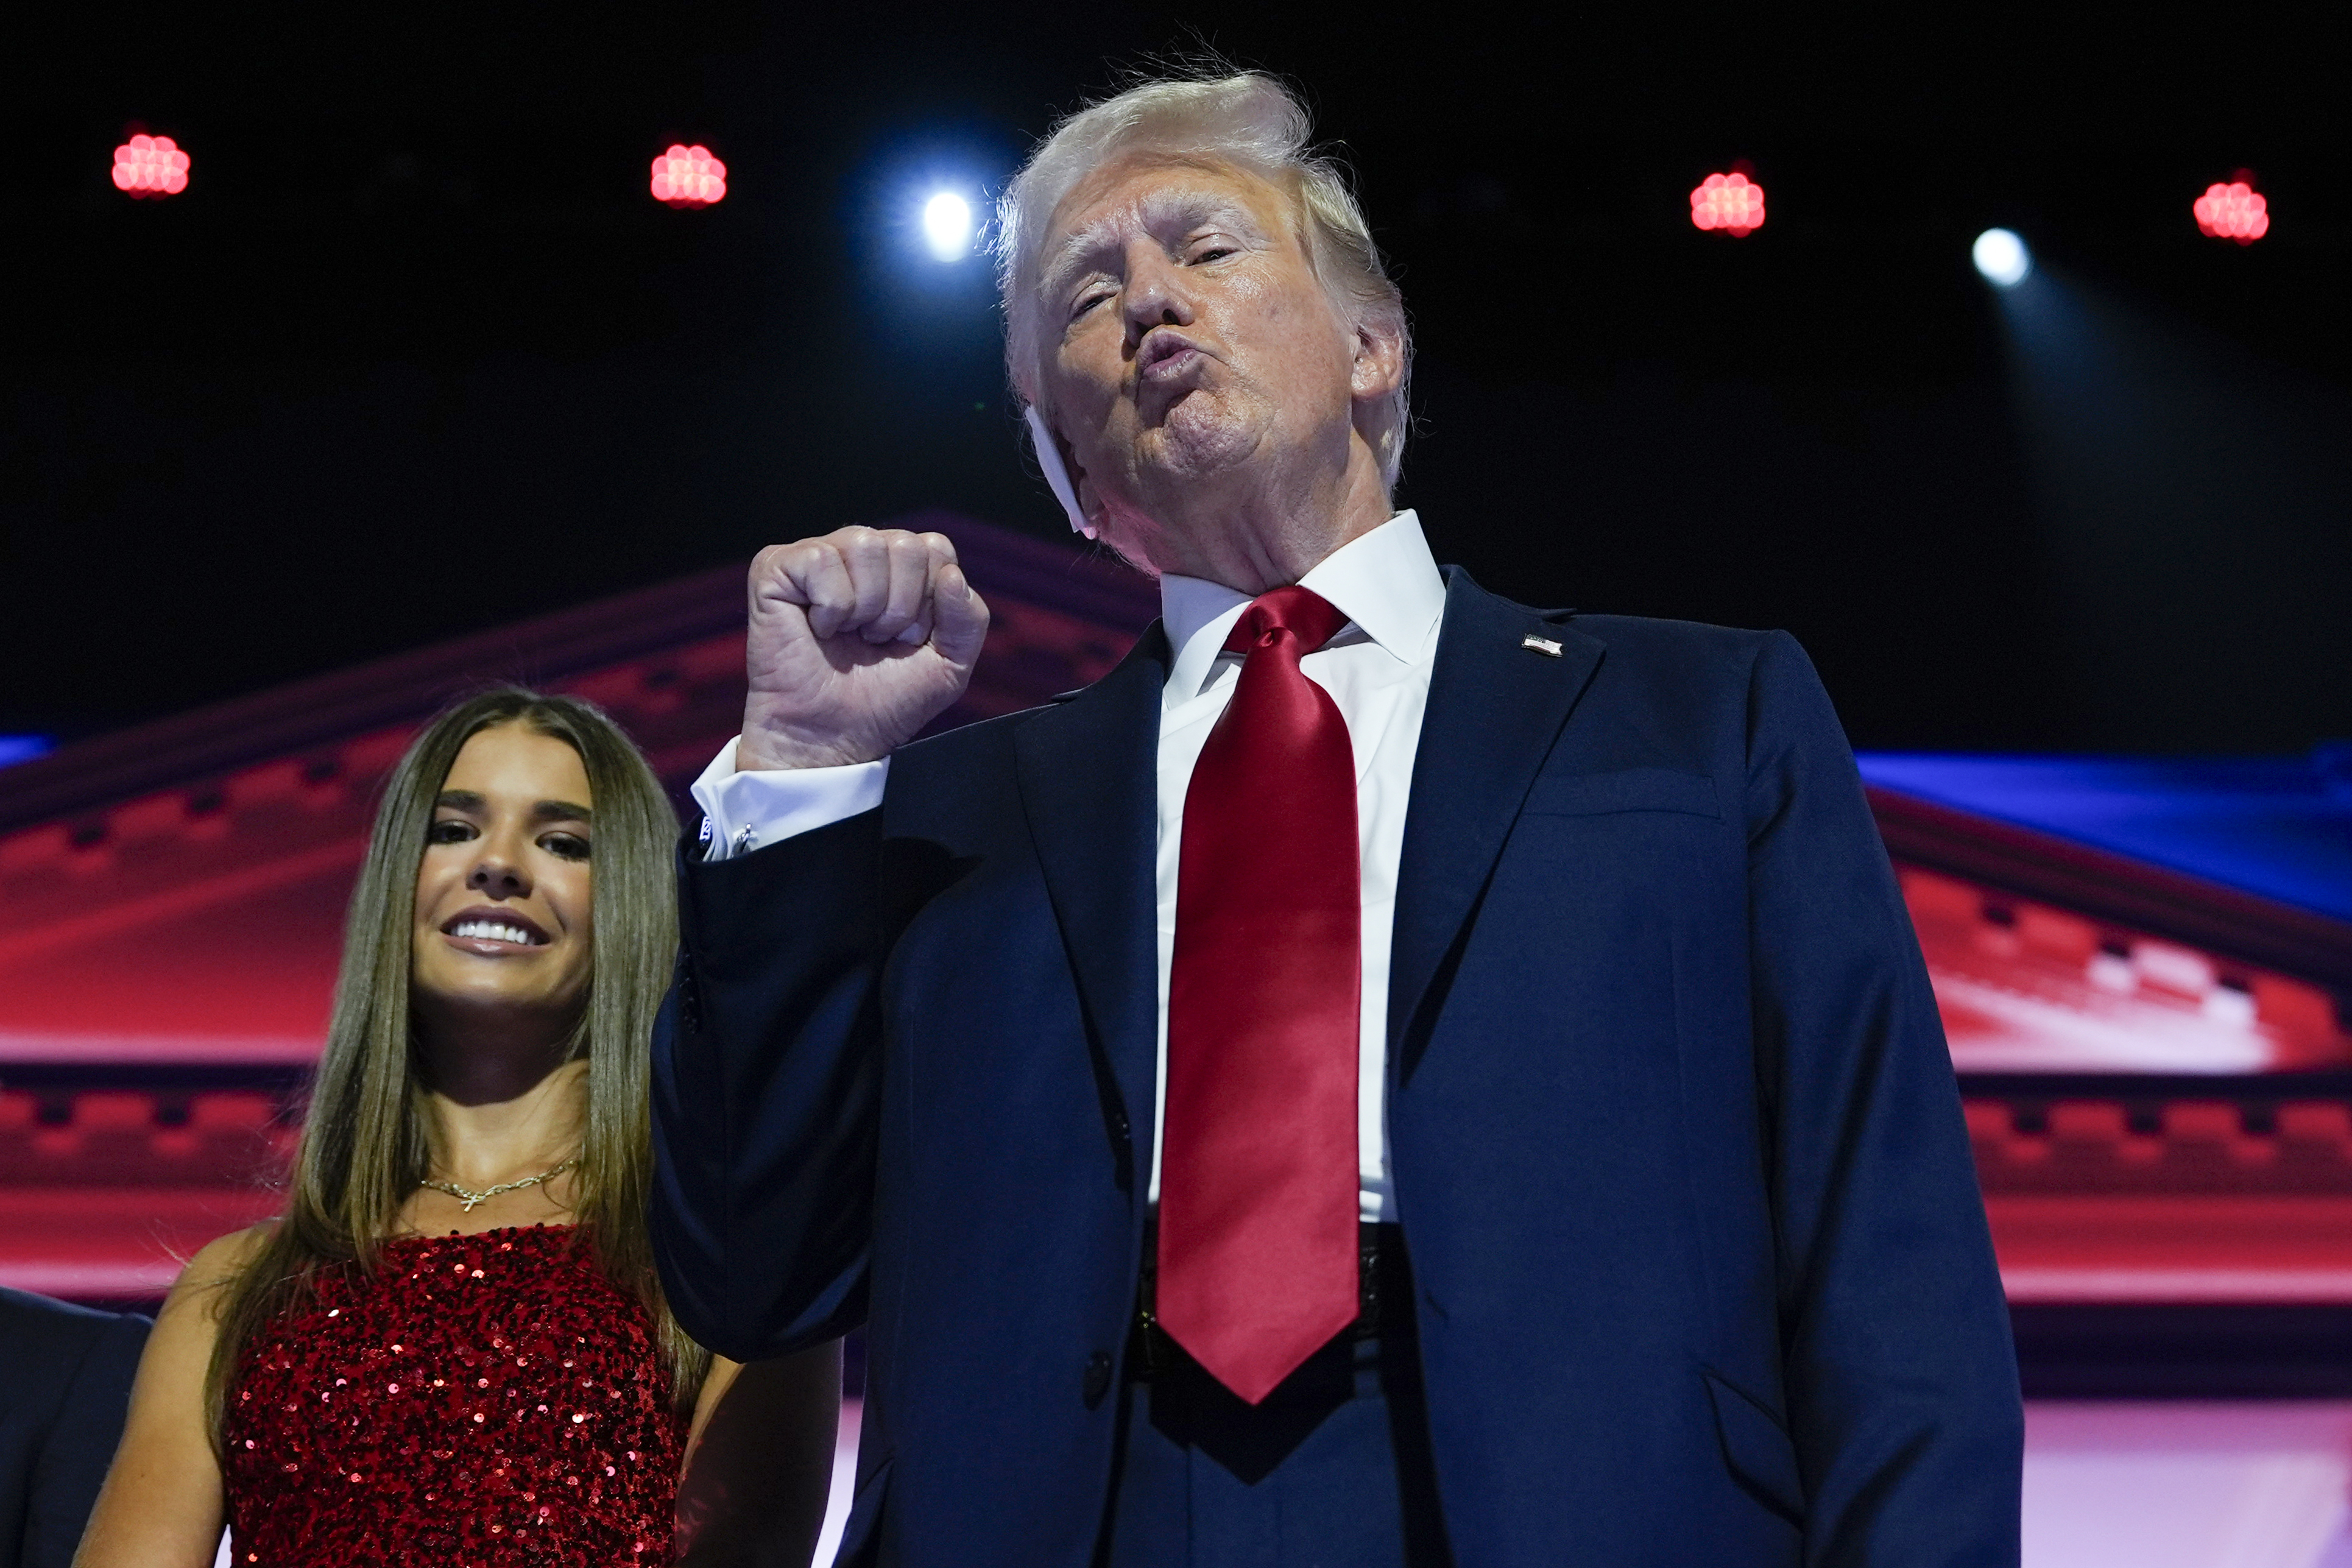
(858, 640)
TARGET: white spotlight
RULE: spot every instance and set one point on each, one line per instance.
(947, 225)
(2002, 257)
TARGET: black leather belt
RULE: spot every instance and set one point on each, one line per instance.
(1382, 1280)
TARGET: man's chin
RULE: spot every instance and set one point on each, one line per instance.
(1198, 440)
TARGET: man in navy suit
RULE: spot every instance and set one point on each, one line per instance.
(1386, 1076)
(65, 1388)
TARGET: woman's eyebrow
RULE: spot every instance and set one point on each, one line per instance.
(545, 811)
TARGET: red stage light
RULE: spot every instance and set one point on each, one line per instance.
(688, 177)
(2234, 210)
(151, 166)
(1732, 203)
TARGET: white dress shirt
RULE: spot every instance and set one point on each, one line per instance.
(1377, 671)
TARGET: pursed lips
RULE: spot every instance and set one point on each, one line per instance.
(1163, 355)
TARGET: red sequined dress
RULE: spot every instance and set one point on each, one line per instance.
(481, 1400)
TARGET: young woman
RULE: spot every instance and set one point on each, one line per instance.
(453, 1347)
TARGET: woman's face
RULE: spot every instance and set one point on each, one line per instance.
(504, 908)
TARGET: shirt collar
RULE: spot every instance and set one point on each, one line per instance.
(1385, 581)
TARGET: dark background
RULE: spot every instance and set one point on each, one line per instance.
(416, 353)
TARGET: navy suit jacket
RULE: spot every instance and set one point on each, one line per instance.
(65, 1388)
(1704, 1276)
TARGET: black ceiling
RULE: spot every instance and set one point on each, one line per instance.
(416, 353)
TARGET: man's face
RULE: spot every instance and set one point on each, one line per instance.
(1189, 345)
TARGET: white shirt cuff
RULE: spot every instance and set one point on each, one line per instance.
(745, 811)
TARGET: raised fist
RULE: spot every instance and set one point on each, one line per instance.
(858, 640)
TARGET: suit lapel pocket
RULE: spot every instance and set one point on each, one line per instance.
(1089, 770)
(1623, 789)
(1757, 1450)
(1496, 708)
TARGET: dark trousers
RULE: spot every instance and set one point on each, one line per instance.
(1332, 1470)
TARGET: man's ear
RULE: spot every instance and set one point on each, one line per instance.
(1063, 475)
(1379, 365)
(1090, 505)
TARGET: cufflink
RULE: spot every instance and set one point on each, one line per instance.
(1544, 646)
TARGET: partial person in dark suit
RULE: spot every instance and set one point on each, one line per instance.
(65, 1386)
(1386, 1076)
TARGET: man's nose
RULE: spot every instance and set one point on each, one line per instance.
(1155, 297)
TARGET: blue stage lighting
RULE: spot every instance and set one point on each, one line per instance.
(2002, 257)
(947, 225)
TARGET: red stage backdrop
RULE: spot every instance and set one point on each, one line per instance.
(2157, 1074)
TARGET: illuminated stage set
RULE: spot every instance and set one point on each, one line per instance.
(2013, 497)
(2137, 964)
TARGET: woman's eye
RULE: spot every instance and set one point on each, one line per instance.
(449, 830)
(566, 845)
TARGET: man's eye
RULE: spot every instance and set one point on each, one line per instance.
(1087, 302)
(1214, 253)
(449, 830)
(567, 845)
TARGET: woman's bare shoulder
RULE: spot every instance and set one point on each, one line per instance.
(218, 1262)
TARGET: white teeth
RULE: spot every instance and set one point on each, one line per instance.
(494, 929)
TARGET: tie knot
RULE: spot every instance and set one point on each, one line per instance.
(1309, 619)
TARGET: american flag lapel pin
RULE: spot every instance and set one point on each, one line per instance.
(1546, 646)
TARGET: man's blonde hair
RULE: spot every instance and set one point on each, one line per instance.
(1246, 119)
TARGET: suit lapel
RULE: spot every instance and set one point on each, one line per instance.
(1495, 708)
(1089, 770)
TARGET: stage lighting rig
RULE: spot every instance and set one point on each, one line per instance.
(151, 166)
(688, 177)
(947, 227)
(1729, 204)
(2002, 257)
(2233, 209)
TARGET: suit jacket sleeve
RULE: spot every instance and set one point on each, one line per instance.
(80, 1443)
(765, 1082)
(1902, 1378)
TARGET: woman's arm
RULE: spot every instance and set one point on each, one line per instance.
(759, 1461)
(161, 1505)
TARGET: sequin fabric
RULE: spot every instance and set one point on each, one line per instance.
(481, 1400)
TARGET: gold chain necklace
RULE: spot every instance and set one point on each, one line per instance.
(470, 1197)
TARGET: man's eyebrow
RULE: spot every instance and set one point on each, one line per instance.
(1071, 256)
(1188, 208)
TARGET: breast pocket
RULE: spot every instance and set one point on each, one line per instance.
(1623, 789)
(1757, 1450)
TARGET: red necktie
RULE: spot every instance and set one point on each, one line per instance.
(1257, 1170)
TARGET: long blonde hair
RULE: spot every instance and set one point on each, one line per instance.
(362, 1149)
